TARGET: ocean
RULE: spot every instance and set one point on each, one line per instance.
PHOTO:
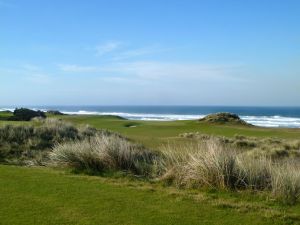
(259, 116)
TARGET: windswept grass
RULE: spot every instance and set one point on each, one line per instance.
(105, 152)
(202, 165)
(28, 142)
(271, 147)
(212, 165)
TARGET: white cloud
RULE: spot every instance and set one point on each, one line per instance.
(116, 50)
(38, 78)
(77, 68)
(30, 67)
(27, 73)
(153, 70)
(107, 47)
(171, 70)
(138, 52)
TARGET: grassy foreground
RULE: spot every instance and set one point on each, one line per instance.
(47, 196)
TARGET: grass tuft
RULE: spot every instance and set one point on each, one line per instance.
(105, 152)
(211, 165)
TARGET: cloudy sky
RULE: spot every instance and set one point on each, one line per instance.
(151, 52)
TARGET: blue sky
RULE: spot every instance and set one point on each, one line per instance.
(156, 52)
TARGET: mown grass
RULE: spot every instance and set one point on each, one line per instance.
(155, 133)
(46, 196)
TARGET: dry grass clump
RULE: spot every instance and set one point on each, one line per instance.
(271, 147)
(22, 143)
(210, 164)
(254, 173)
(200, 165)
(105, 152)
(286, 181)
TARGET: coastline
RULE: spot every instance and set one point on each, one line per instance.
(255, 116)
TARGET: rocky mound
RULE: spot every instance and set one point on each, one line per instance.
(224, 118)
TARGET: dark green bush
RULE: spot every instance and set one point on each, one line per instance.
(24, 114)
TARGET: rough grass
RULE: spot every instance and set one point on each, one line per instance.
(27, 142)
(203, 165)
(271, 147)
(212, 165)
(105, 152)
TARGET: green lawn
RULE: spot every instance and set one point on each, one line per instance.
(47, 196)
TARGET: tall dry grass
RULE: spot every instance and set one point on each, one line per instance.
(21, 143)
(210, 164)
(286, 181)
(272, 147)
(105, 152)
(207, 163)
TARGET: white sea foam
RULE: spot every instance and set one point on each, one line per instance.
(7, 109)
(140, 116)
(273, 121)
(263, 121)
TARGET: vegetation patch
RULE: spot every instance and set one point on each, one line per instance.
(208, 164)
(103, 153)
(28, 144)
(212, 165)
(205, 162)
(24, 114)
(55, 113)
(224, 118)
(271, 147)
(5, 115)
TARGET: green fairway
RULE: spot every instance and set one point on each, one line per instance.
(45, 196)
(154, 133)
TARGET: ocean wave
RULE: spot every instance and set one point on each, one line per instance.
(273, 121)
(140, 116)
